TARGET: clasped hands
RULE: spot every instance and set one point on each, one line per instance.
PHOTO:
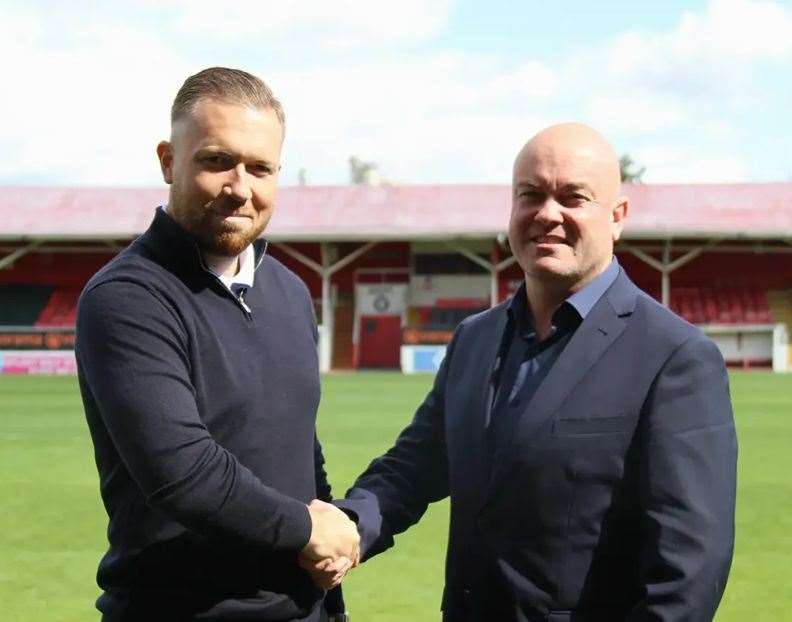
(334, 547)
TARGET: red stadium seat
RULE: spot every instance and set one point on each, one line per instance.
(724, 304)
(60, 310)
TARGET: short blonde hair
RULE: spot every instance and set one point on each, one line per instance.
(225, 85)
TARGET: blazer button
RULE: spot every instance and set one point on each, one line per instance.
(466, 598)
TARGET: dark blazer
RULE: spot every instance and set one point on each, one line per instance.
(614, 497)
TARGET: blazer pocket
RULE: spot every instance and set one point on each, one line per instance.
(589, 426)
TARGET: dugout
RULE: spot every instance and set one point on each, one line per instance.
(393, 269)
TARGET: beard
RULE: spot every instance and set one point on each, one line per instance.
(214, 235)
(224, 239)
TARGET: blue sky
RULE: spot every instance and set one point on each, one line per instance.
(527, 29)
(432, 91)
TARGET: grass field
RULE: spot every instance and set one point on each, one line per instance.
(52, 524)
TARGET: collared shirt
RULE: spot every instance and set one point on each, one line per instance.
(242, 281)
(525, 360)
(245, 274)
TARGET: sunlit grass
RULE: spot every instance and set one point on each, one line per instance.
(52, 524)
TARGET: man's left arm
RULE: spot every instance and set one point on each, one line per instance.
(687, 483)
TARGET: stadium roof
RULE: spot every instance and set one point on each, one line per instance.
(337, 213)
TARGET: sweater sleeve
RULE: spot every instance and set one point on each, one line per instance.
(323, 489)
(133, 357)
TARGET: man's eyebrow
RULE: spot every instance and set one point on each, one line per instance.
(575, 186)
(211, 149)
(220, 149)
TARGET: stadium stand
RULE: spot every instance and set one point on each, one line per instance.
(721, 305)
(781, 308)
(717, 254)
(60, 310)
(21, 304)
(447, 317)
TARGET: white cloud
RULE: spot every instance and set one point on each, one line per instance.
(639, 113)
(87, 96)
(736, 29)
(689, 164)
(448, 117)
(689, 84)
(88, 114)
(708, 55)
(343, 23)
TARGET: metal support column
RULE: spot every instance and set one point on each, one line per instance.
(327, 313)
(493, 286)
(8, 260)
(326, 270)
(493, 268)
(665, 278)
(666, 266)
(500, 267)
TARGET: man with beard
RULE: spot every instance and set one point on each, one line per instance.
(583, 432)
(199, 376)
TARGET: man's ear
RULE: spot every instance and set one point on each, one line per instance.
(165, 156)
(619, 215)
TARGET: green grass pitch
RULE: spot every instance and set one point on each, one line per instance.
(52, 525)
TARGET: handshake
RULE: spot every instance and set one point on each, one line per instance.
(334, 546)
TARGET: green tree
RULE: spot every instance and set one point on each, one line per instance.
(360, 172)
(629, 171)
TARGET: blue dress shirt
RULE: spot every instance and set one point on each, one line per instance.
(524, 360)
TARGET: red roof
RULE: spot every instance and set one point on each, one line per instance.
(401, 212)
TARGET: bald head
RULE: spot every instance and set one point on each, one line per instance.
(573, 147)
(567, 211)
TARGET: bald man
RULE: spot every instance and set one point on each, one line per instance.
(583, 432)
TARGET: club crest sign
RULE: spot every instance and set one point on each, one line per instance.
(381, 298)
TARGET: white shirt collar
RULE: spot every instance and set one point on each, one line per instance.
(247, 266)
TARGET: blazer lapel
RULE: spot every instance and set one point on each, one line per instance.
(481, 405)
(596, 333)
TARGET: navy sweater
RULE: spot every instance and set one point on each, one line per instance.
(203, 422)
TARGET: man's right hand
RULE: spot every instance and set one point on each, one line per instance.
(325, 573)
(333, 535)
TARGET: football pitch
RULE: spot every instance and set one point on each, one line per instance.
(52, 525)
